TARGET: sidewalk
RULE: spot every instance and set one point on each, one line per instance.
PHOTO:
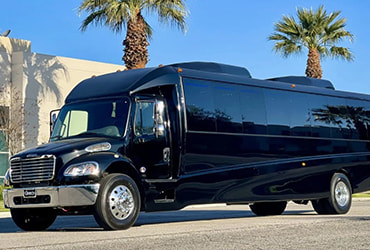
(5, 215)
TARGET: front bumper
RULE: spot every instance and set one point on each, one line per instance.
(60, 196)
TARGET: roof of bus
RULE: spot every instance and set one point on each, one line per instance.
(113, 84)
(131, 81)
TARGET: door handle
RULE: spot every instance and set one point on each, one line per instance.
(166, 154)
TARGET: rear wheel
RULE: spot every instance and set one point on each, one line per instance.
(33, 219)
(340, 199)
(268, 208)
(118, 203)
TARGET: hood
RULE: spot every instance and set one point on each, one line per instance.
(61, 147)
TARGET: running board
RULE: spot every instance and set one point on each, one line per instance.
(167, 196)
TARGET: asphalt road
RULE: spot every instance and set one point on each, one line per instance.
(204, 227)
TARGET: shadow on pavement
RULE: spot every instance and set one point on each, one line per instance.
(7, 226)
(87, 223)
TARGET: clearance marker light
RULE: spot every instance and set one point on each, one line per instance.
(293, 85)
(143, 170)
(303, 164)
(179, 70)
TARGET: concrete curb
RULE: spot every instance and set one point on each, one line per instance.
(5, 215)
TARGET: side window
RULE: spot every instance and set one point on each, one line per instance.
(358, 119)
(320, 116)
(277, 109)
(336, 118)
(200, 110)
(300, 115)
(144, 118)
(227, 108)
(253, 111)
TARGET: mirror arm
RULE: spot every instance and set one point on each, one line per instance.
(53, 117)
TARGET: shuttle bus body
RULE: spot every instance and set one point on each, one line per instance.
(163, 138)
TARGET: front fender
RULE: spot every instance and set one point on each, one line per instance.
(105, 160)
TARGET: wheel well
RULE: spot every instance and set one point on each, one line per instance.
(127, 169)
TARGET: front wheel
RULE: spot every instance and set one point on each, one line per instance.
(268, 208)
(33, 219)
(118, 203)
(340, 199)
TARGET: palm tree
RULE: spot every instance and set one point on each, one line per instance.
(317, 31)
(127, 14)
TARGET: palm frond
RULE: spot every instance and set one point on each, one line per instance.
(341, 53)
(116, 13)
(173, 12)
(285, 46)
(127, 14)
(96, 18)
(148, 30)
(312, 29)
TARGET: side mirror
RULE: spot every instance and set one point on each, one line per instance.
(159, 118)
(53, 117)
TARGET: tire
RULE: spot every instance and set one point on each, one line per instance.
(268, 208)
(118, 202)
(340, 199)
(33, 219)
(321, 206)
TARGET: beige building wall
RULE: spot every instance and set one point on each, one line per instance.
(38, 84)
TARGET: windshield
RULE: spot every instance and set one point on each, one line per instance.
(97, 118)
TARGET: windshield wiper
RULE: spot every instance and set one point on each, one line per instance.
(56, 137)
(88, 134)
(59, 137)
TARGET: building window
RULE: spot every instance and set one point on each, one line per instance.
(4, 151)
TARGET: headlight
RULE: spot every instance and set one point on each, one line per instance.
(84, 168)
(7, 178)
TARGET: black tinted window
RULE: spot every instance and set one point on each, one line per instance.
(299, 115)
(277, 109)
(358, 119)
(227, 108)
(223, 107)
(336, 111)
(288, 113)
(253, 110)
(199, 105)
(320, 118)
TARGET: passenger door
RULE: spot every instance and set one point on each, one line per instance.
(151, 142)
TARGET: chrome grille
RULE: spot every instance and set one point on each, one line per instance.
(32, 169)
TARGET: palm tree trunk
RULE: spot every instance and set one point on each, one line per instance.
(136, 43)
(313, 64)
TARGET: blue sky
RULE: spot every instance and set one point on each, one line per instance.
(232, 32)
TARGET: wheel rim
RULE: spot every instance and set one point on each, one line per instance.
(342, 194)
(121, 202)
